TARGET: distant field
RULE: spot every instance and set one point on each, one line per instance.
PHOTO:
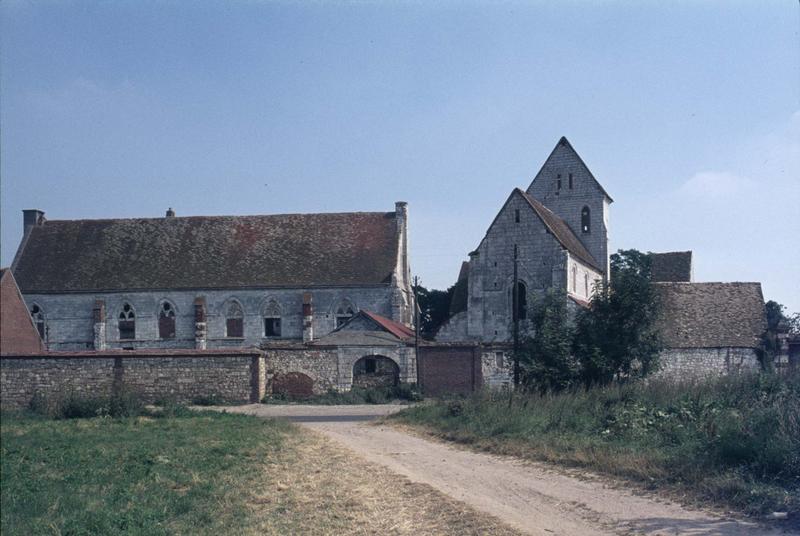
(205, 473)
(733, 443)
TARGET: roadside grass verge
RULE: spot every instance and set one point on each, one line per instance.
(732, 442)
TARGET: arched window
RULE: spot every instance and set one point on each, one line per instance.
(234, 320)
(344, 312)
(521, 312)
(166, 321)
(586, 285)
(585, 220)
(127, 322)
(272, 319)
(574, 278)
(38, 319)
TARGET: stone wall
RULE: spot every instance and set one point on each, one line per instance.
(331, 367)
(70, 326)
(183, 376)
(698, 363)
(497, 366)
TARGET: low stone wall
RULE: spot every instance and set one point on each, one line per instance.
(321, 365)
(699, 363)
(182, 376)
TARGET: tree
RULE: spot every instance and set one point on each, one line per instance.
(777, 323)
(434, 306)
(546, 359)
(616, 338)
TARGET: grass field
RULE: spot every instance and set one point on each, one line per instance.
(734, 443)
(205, 473)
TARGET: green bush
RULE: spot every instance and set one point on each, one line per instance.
(72, 405)
(357, 395)
(207, 400)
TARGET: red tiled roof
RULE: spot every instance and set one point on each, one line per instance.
(395, 328)
(18, 334)
(291, 250)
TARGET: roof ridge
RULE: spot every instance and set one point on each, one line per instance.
(218, 216)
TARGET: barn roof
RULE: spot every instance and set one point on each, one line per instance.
(671, 266)
(711, 315)
(290, 250)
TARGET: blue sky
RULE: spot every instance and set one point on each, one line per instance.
(687, 112)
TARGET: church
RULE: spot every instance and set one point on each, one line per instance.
(554, 235)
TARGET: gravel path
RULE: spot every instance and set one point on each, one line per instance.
(528, 496)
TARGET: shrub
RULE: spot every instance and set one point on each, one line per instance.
(207, 400)
(72, 405)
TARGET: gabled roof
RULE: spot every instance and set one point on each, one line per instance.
(671, 266)
(561, 230)
(711, 315)
(564, 142)
(18, 334)
(289, 250)
(366, 327)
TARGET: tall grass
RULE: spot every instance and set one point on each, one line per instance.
(733, 441)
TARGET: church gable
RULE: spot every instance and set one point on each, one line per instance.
(564, 173)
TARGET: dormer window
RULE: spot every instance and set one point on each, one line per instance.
(585, 226)
(127, 323)
(166, 321)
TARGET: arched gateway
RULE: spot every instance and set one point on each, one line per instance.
(375, 371)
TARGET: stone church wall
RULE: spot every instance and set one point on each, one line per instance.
(542, 264)
(700, 363)
(177, 375)
(69, 323)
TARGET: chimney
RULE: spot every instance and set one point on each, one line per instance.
(32, 217)
(308, 317)
(170, 213)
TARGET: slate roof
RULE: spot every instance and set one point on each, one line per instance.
(671, 266)
(291, 250)
(561, 230)
(711, 315)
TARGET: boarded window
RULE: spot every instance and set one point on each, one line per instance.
(127, 323)
(166, 321)
(234, 320)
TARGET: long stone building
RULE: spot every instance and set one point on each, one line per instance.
(197, 282)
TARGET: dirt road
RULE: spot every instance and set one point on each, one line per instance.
(531, 497)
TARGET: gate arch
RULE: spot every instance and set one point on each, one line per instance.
(375, 371)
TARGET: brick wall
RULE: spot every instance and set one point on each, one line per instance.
(232, 377)
(449, 369)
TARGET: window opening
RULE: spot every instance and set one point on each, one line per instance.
(38, 319)
(234, 320)
(127, 322)
(166, 321)
(272, 320)
(585, 220)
